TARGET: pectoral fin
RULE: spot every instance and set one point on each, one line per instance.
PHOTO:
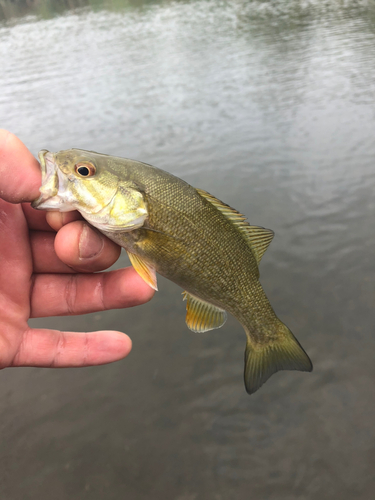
(202, 316)
(145, 271)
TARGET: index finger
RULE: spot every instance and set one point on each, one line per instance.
(20, 175)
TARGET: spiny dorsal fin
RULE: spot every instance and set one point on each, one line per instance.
(257, 237)
(225, 209)
(202, 316)
(145, 271)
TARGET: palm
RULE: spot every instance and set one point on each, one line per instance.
(16, 270)
(44, 273)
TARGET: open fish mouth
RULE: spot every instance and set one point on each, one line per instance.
(53, 185)
(50, 180)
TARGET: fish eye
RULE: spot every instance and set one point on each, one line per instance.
(85, 169)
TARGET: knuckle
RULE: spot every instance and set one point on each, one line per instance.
(70, 294)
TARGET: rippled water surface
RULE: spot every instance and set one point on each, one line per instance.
(271, 107)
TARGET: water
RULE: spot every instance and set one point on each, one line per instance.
(270, 106)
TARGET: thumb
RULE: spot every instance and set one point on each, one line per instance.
(20, 176)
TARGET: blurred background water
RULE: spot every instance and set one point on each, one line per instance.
(269, 105)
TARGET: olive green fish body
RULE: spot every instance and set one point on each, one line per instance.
(206, 255)
(185, 235)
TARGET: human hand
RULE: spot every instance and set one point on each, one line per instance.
(48, 264)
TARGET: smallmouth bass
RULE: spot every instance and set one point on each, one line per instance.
(186, 235)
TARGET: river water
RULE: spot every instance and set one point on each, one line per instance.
(271, 107)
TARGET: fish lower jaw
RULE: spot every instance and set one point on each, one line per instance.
(53, 203)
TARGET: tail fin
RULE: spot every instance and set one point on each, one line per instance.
(264, 359)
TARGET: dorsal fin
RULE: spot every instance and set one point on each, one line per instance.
(257, 237)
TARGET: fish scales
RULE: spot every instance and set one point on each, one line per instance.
(207, 240)
(187, 236)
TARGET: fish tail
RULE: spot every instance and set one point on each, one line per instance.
(281, 352)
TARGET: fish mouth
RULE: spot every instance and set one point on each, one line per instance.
(52, 179)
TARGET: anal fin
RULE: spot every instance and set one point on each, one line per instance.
(202, 316)
(145, 271)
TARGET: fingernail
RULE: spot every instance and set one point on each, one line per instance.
(90, 243)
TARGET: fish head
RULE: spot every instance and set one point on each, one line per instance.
(92, 184)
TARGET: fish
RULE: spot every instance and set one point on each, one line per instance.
(184, 234)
